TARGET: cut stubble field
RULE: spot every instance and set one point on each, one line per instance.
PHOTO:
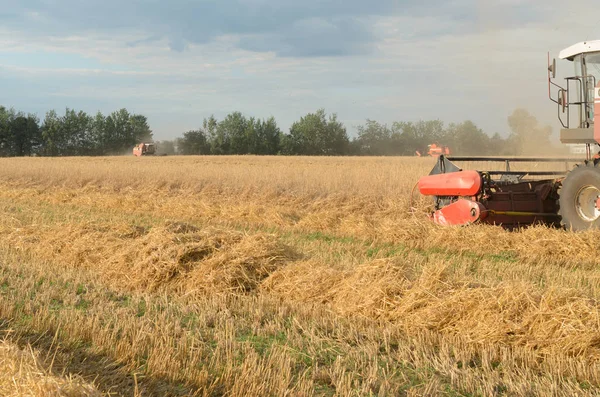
(292, 276)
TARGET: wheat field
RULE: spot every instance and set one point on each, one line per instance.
(236, 276)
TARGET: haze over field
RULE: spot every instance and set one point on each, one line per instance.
(178, 62)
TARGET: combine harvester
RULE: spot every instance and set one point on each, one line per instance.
(434, 150)
(144, 149)
(512, 198)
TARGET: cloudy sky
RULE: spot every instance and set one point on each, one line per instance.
(178, 61)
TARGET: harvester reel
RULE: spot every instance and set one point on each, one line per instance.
(580, 198)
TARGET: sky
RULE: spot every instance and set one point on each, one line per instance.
(180, 61)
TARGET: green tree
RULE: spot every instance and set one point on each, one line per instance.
(34, 136)
(52, 137)
(118, 133)
(209, 126)
(140, 129)
(233, 135)
(122, 131)
(315, 135)
(98, 135)
(252, 136)
(77, 132)
(25, 135)
(5, 138)
(18, 135)
(263, 136)
(468, 139)
(528, 135)
(218, 138)
(373, 139)
(193, 143)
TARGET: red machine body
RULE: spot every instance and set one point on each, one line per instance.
(435, 150)
(460, 212)
(144, 149)
(496, 197)
(461, 183)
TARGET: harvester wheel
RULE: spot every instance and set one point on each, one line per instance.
(580, 198)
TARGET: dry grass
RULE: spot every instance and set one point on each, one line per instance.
(415, 290)
(25, 374)
(227, 174)
(175, 256)
(308, 245)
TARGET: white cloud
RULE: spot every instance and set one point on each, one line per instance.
(450, 64)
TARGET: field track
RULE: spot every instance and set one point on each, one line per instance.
(280, 276)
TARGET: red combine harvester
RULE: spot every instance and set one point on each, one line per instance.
(144, 149)
(512, 197)
(434, 150)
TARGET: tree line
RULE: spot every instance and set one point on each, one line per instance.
(315, 134)
(321, 134)
(72, 134)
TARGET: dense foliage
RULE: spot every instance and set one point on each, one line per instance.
(315, 134)
(72, 134)
(318, 134)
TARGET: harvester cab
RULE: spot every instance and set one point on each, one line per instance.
(520, 191)
(579, 99)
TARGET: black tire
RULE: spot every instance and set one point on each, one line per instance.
(578, 196)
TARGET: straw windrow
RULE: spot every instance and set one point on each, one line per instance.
(25, 374)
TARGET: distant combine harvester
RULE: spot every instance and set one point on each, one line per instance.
(144, 149)
(435, 150)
